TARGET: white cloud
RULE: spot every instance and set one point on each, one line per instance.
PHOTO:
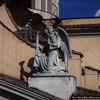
(97, 13)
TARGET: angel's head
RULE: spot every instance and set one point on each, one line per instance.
(50, 29)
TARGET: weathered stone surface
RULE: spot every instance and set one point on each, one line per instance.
(61, 86)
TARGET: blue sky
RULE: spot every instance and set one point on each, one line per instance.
(78, 8)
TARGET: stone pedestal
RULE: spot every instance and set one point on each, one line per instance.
(60, 85)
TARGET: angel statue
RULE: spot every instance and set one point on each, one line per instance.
(57, 46)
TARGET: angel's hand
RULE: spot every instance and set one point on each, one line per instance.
(70, 56)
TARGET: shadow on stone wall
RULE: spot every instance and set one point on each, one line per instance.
(25, 74)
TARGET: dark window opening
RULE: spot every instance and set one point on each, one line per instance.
(99, 86)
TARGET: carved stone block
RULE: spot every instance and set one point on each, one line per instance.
(61, 85)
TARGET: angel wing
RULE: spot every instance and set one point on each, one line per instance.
(65, 51)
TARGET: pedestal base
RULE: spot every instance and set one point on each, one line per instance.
(61, 86)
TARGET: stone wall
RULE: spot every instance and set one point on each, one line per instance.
(12, 52)
(90, 47)
(91, 79)
(74, 67)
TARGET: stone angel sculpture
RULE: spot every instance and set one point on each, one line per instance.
(57, 45)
